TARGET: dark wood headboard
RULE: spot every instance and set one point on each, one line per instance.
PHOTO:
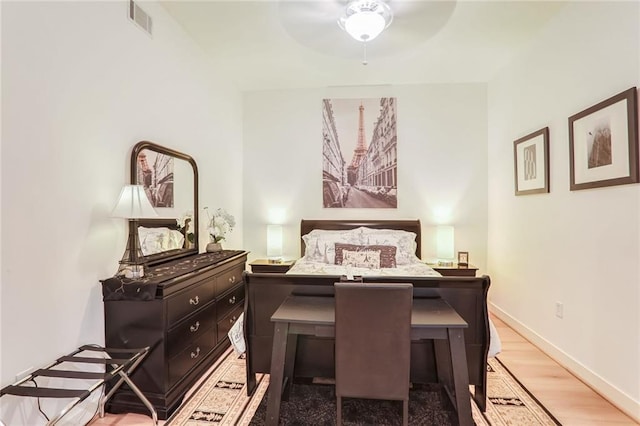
(170, 223)
(308, 225)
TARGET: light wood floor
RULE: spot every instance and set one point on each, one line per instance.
(566, 397)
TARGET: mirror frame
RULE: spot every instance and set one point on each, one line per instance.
(164, 222)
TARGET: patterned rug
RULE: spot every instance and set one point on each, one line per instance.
(221, 399)
(509, 402)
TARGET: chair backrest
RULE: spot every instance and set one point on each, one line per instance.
(373, 340)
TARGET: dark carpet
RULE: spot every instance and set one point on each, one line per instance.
(316, 405)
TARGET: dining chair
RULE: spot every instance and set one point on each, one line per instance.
(373, 343)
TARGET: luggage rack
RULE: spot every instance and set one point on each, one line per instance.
(117, 363)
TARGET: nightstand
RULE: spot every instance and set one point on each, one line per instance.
(265, 266)
(455, 270)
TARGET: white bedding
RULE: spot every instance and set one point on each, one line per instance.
(416, 268)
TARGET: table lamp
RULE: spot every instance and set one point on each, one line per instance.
(274, 243)
(133, 204)
(444, 245)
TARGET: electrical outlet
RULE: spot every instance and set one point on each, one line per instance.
(21, 375)
(559, 309)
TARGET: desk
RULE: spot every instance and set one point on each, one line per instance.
(430, 319)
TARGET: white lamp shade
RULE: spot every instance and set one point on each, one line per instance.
(364, 26)
(444, 242)
(133, 203)
(364, 20)
(274, 240)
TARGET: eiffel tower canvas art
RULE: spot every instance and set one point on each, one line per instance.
(359, 153)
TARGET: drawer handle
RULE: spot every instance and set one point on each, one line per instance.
(232, 279)
(194, 301)
(195, 354)
(232, 300)
(195, 327)
(232, 320)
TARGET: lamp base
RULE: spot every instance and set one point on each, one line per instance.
(134, 271)
(131, 265)
(447, 263)
(275, 260)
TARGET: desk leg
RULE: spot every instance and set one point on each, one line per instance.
(277, 372)
(289, 363)
(460, 376)
(443, 362)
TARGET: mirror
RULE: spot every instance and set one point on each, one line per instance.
(170, 180)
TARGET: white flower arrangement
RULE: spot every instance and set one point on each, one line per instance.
(220, 223)
(186, 221)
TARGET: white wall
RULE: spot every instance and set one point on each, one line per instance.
(580, 248)
(81, 84)
(442, 167)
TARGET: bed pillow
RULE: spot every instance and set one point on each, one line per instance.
(404, 241)
(157, 240)
(176, 240)
(369, 259)
(320, 244)
(387, 254)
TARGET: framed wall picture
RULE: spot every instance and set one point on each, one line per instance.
(154, 171)
(531, 160)
(603, 143)
(463, 258)
(359, 153)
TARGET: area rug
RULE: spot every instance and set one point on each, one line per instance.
(222, 399)
(509, 402)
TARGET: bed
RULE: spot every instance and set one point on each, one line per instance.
(361, 249)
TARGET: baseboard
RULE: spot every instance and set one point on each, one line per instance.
(609, 392)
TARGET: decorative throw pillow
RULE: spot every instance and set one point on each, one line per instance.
(387, 253)
(369, 259)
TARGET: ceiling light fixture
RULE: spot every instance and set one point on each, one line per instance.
(364, 20)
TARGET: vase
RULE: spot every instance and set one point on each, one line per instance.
(211, 247)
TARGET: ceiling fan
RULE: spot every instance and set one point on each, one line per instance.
(364, 20)
(323, 25)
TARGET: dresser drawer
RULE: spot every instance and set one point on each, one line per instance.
(229, 278)
(225, 324)
(226, 303)
(180, 365)
(189, 301)
(181, 322)
(190, 330)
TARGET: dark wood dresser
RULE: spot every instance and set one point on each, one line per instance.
(183, 310)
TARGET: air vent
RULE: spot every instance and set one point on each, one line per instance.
(140, 17)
